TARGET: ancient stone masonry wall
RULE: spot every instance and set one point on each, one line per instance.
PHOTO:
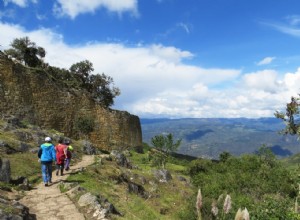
(113, 129)
(33, 95)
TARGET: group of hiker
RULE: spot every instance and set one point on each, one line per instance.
(60, 154)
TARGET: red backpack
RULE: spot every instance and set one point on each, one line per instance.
(60, 153)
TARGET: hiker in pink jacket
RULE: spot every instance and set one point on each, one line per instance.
(61, 155)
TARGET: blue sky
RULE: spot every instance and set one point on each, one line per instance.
(172, 58)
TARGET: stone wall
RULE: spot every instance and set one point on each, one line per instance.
(34, 95)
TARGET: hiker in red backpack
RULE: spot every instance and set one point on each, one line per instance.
(61, 155)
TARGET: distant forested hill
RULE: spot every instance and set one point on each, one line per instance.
(208, 137)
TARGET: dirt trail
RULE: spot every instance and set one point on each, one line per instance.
(48, 203)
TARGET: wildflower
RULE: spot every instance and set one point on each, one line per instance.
(227, 204)
(296, 205)
(246, 215)
(239, 215)
(214, 209)
(199, 203)
(199, 200)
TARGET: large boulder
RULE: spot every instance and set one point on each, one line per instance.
(88, 148)
(137, 189)
(23, 147)
(133, 187)
(163, 175)
(97, 205)
(121, 159)
(4, 170)
(87, 199)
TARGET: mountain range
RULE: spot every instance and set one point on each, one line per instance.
(208, 137)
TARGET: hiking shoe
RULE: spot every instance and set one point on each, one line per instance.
(56, 173)
(46, 184)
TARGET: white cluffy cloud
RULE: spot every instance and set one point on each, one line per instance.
(73, 8)
(155, 81)
(266, 61)
(266, 80)
(20, 3)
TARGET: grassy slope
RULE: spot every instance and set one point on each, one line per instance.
(165, 201)
(292, 162)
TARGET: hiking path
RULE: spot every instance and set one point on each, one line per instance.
(48, 203)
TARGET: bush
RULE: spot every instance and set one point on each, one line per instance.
(248, 180)
(84, 125)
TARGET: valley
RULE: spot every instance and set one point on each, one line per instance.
(208, 137)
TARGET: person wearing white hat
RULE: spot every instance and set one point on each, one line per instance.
(46, 156)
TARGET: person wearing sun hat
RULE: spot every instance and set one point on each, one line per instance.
(46, 156)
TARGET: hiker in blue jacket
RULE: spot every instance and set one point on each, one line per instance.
(46, 156)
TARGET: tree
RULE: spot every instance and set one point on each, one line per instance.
(100, 86)
(266, 155)
(291, 117)
(224, 156)
(158, 142)
(102, 89)
(83, 69)
(165, 143)
(24, 50)
(163, 147)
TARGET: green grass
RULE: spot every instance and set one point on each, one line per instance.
(7, 209)
(292, 162)
(10, 139)
(135, 207)
(25, 164)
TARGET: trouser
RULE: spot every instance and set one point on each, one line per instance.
(60, 167)
(67, 164)
(47, 171)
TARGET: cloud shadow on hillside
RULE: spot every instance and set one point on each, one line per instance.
(197, 134)
(279, 151)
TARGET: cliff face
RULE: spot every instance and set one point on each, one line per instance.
(35, 96)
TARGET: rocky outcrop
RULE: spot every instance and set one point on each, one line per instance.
(12, 209)
(121, 159)
(88, 148)
(163, 175)
(34, 95)
(98, 206)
